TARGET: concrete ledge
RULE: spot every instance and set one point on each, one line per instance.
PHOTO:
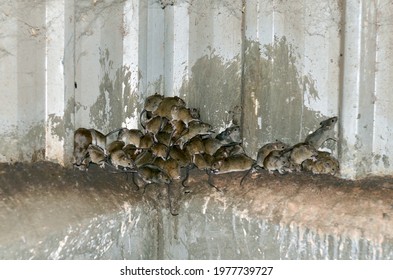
(49, 212)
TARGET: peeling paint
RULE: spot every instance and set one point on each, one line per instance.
(57, 126)
(272, 76)
(31, 145)
(214, 85)
(117, 100)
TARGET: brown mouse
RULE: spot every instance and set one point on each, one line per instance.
(211, 145)
(322, 134)
(96, 156)
(300, 152)
(117, 156)
(82, 140)
(276, 161)
(130, 136)
(132, 151)
(181, 113)
(263, 152)
(325, 163)
(152, 174)
(151, 104)
(180, 156)
(155, 124)
(233, 163)
(159, 150)
(170, 166)
(145, 157)
(165, 106)
(194, 129)
(146, 141)
(194, 146)
(267, 148)
(163, 138)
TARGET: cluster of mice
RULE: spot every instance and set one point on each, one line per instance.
(174, 137)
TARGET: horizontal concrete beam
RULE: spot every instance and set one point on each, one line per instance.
(49, 212)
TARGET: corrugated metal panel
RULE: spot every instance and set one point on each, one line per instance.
(286, 64)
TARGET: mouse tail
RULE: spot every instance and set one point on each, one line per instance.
(140, 118)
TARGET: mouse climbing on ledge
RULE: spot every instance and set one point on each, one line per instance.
(175, 139)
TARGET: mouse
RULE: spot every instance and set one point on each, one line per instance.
(117, 156)
(300, 152)
(146, 141)
(145, 157)
(202, 162)
(276, 161)
(230, 135)
(267, 148)
(181, 113)
(163, 138)
(115, 145)
(96, 156)
(211, 145)
(170, 166)
(159, 150)
(180, 156)
(228, 150)
(82, 140)
(165, 106)
(178, 128)
(194, 146)
(322, 134)
(132, 151)
(233, 163)
(325, 163)
(152, 174)
(151, 104)
(263, 152)
(194, 129)
(130, 136)
(155, 124)
(98, 138)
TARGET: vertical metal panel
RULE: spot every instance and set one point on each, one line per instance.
(364, 121)
(293, 64)
(8, 82)
(382, 95)
(56, 102)
(131, 51)
(22, 55)
(213, 80)
(291, 78)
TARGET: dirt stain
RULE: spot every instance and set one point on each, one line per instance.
(278, 91)
(117, 100)
(214, 87)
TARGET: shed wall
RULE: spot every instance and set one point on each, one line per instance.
(276, 67)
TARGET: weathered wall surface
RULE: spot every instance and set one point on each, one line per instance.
(291, 69)
(275, 67)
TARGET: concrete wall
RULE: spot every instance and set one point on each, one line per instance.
(280, 66)
(51, 212)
